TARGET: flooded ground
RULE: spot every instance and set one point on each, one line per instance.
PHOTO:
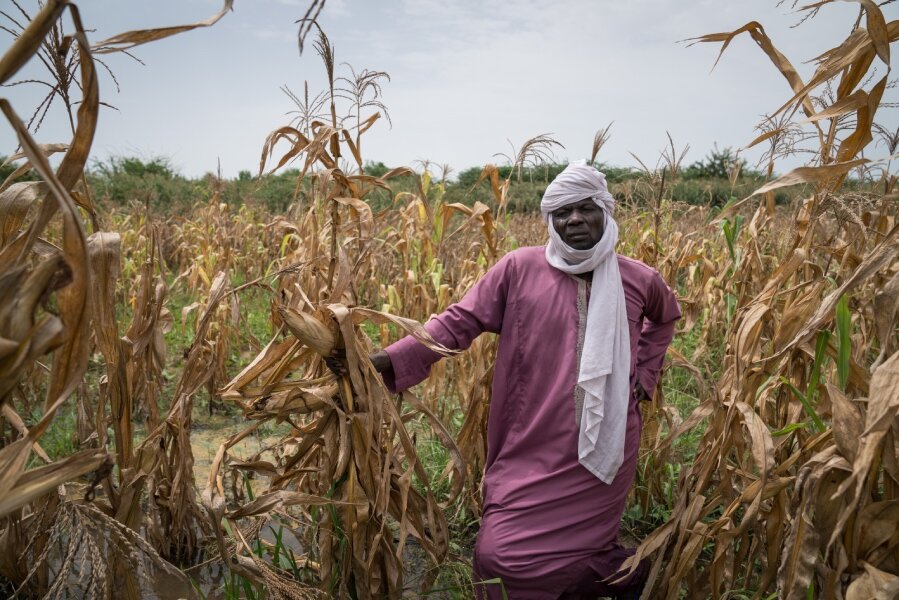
(207, 434)
(210, 431)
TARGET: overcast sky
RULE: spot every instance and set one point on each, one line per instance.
(466, 76)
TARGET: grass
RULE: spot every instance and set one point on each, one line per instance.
(59, 440)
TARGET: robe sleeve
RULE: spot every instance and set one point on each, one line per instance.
(480, 310)
(660, 313)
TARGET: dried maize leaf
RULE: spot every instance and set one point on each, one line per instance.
(873, 584)
(272, 355)
(878, 528)
(884, 253)
(410, 326)
(882, 409)
(16, 202)
(37, 482)
(886, 313)
(786, 68)
(819, 175)
(130, 39)
(848, 422)
(278, 499)
(877, 29)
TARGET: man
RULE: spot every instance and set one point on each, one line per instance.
(583, 333)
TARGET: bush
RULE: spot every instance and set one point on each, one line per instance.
(7, 170)
(275, 191)
(375, 169)
(718, 164)
(718, 191)
(121, 180)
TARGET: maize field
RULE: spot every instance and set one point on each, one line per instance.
(769, 465)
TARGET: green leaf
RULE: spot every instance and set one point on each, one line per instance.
(809, 409)
(844, 343)
(249, 487)
(820, 355)
(495, 581)
(761, 389)
(789, 429)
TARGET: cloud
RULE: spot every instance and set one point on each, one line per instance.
(466, 76)
(337, 8)
(269, 33)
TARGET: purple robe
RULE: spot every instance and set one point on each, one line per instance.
(549, 526)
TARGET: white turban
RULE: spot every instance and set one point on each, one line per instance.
(604, 370)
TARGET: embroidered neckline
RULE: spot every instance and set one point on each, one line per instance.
(581, 335)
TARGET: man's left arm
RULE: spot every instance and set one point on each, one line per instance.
(660, 314)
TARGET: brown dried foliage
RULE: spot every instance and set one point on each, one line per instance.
(795, 479)
(767, 504)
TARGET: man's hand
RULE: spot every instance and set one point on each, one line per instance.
(336, 362)
(640, 394)
(380, 360)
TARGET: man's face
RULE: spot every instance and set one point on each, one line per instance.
(581, 224)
